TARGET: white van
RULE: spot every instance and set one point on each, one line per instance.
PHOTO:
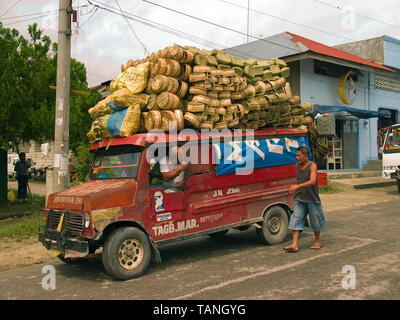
(12, 159)
(391, 154)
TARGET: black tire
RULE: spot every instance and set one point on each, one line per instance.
(274, 228)
(219, 234)
(126, 253)
(398, 185)
(72, 261)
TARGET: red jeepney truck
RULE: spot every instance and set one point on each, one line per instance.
(123, 209)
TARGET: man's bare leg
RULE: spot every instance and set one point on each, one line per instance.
(295, 241)
(317, 243)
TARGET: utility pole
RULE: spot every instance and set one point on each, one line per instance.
(61, 135)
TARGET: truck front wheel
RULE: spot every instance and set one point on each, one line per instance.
(274, 228)
(126, 253)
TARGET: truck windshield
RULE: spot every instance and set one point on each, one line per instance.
(116, 162)
(392, 144)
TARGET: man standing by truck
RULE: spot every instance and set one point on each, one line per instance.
(22, 172)
(306, 201)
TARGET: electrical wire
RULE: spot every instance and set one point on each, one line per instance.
(42, 16)
(10, 8)
(223, 27)
(30, 14)
(136, 36)
(357, 14)
(287, 20)
(172, 31)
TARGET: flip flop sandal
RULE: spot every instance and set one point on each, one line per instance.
(290, 249)
(316, 247)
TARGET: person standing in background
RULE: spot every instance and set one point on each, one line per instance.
(21, 169)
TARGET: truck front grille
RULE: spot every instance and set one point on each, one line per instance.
(73, 222)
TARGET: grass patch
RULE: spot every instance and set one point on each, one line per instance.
(15, 209)
(19, 221)
(21, 228)
(331, 188)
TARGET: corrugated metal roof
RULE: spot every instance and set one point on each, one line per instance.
(289, 44)
(276, 46)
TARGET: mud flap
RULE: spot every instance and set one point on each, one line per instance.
(156, 256)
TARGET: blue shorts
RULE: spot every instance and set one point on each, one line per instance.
(299, 216)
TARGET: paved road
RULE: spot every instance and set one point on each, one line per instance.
(363, 239)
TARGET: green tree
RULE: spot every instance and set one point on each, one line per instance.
(28, 68)
(27, 105)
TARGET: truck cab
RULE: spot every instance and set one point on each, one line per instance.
(125, 209)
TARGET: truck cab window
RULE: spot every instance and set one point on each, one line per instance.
(116, 162)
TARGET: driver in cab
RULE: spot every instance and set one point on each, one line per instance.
(172, 171)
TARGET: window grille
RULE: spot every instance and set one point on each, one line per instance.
(387, 82)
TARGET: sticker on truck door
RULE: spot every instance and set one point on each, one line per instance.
(159, 201)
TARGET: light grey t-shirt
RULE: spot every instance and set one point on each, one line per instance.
(166, 165)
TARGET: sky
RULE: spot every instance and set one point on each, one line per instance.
(104, 40)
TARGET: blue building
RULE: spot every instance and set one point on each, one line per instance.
(361, 90)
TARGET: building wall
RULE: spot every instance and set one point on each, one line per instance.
(391, 48)
(34, 151)
(324, 90)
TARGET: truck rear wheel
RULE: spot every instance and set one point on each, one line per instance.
(126, 253)
(274, 228)
(398, 185)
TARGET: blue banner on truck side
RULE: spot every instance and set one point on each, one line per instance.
(242, 156)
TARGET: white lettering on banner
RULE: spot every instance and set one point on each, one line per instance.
(275, 147)
(253, 145)
(172, 227)
(232, 190)
(291, 143)
(236, 154)
(211, 218)
(217, 193)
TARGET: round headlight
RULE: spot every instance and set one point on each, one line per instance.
(86, 220)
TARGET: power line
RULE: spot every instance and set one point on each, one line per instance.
(30, 14)
(172, 31)
(136, 36)
(287, 20)
(15, 22)
(357, 14)
(10, 8)
(223, 27)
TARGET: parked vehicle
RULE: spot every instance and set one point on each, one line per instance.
(124, 209)
(39, 174)
(391, 154)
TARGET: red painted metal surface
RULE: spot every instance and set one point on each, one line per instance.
(322, 179)
(209, 202)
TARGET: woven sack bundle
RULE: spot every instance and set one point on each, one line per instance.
(295, 101)
(183, 88)
(153, 120)
(186, 70)
(179, 119)
(196, 107)
(194, 77)
(207, 125)
(168, 121)
(201, 69)
(192, 120)
(168, 100)
(307, 106)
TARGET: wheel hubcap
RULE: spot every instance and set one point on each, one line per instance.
(274, 225)
(130, 254)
